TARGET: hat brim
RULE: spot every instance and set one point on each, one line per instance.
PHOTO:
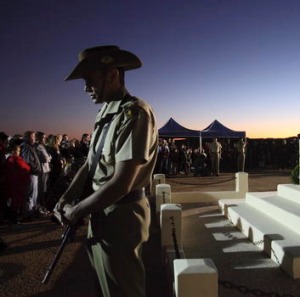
(116, 59)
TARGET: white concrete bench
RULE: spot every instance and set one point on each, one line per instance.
(267, 231)
(289, 192)
(285, 211)
(225, 203)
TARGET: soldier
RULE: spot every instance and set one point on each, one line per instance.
(215, 156)
(241, 151)
(120, 163)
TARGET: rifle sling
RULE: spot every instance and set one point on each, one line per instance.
(98, 154)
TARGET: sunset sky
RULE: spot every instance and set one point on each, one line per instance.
(237, 61)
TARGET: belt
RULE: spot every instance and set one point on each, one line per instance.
(134, 195)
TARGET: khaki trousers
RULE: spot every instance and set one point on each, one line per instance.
(115, 238)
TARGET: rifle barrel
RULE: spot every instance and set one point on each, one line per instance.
(52, 265)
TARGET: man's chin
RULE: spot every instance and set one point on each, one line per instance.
(97, 100)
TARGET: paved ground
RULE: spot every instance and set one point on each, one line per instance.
(206, 234)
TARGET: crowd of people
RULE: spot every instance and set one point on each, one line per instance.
(37, 162)
(34, 170)
(185, 158)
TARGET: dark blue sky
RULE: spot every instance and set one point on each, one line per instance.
(236, 61)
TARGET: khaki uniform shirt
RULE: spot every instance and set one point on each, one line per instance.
(241, 147)
(132, 135)
(215, 147)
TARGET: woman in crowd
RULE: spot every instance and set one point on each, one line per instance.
(45, 160)
(57, 160)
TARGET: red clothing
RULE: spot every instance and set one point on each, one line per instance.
(17, 177)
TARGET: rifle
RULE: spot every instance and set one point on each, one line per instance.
(66, 237)
(67, 234)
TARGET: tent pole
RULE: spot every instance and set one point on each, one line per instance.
(200, 142)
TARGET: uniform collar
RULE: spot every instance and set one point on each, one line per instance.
(113, 105)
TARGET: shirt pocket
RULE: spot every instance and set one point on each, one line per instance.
(108, 151)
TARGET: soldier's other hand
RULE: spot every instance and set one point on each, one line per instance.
(58, 210)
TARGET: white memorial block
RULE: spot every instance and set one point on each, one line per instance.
(195, 277)
(157, 179)
(162, 195)
(241, 182)
(170, 224)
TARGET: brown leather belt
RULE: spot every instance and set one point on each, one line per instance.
(134, 195)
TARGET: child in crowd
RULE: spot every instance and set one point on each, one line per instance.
(17, 176)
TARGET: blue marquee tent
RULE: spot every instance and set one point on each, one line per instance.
(217, 130)
(173, 129)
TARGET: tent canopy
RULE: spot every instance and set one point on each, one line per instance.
(173, 129)
(217, 130)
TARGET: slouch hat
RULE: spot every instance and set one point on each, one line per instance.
(103, 57)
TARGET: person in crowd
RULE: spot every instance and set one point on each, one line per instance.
(182, 156)
(17, 179)
(188, 162)
(64, 145)
(73, 150)
(173, 157)
(241, 155)
(16, 139)
(85, 144)
(262, 151)
(3, 148)
(45, 160)
(65, 140)
(282, 155)
(57, 160)
(73, 156)
(164, 153)
(120, 163)
(215, 156)
(49, 140)
(159, 157)
(29, 154)
(3, 208)
(59, 139)
(79, 158)
(199, 162)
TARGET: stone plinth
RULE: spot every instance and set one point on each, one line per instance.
(170, 224)
(157, 179)
(162, 195)
(195, 277)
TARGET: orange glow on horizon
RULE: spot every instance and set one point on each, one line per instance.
(267, 130)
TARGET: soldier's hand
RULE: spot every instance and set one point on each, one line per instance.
(67, 215)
